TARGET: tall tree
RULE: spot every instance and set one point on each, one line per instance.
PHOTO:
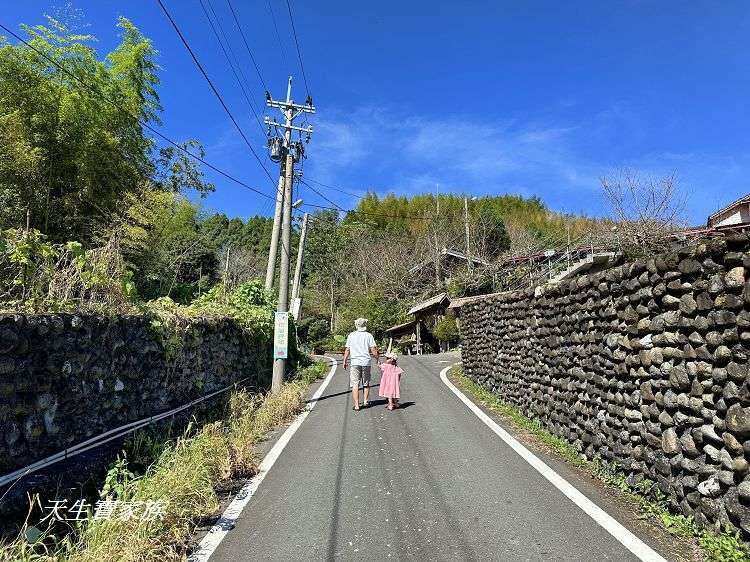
(73, 138)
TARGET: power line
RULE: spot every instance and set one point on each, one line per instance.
(143, 123)
(213, 88)
(321, 195)
(181, 148)
(249, 51)
(336, 207)
(278, 35)
(229, 61)
(299, 51)
(335, 188)
(368, 214)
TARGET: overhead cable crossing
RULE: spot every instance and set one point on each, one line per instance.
(299, 51)
(244, 40)
(213, 88)
(240, 82)
(278, 35)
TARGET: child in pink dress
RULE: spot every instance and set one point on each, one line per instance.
(390, 380)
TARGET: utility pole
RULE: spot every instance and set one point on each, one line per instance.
(298, 268)
(470, 262)
(273, 251)
(290, 153)
(226, 268)
(466, 223)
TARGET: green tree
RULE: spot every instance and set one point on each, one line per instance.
(325, 264)
(73, 138)
(162, 240)
(380, 312)
(446, 329)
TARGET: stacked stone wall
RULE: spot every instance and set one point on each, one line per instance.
(65, 378)
(644, 365)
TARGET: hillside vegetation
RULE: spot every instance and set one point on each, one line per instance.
(364, 263)
(95, 215)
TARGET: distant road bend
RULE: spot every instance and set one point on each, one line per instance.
(431, 481)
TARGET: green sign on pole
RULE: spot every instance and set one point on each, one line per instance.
(281, 335)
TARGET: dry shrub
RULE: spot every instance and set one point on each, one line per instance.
(38, 276)
(93, 280)
(184, 477)
(647, 210)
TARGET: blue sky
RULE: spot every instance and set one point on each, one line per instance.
(486, 97)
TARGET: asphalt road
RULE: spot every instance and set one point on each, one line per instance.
(429, 481)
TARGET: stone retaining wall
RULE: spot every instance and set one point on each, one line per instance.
(65, 378)
(645, 364)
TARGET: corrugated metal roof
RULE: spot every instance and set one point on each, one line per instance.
(437, 299)
(452, 253)
(399, 327)
(458, 303)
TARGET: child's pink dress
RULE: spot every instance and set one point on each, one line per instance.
(390, 381)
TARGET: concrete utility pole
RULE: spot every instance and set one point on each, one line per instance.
(469, 261)
(274, 249)
(466, 224)
(292, 152)
(226, 267)
(298, 266)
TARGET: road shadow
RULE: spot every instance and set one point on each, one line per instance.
(340, 393)
(383, 402)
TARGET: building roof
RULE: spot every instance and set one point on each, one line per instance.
(741, 201)
(401, 327)
(445, 252)
(458, 303)
(462, 256)
(437, 300)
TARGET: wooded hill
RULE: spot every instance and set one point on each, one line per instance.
(363, 264)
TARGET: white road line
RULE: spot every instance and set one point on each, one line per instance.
(606, 521)
(228, 519)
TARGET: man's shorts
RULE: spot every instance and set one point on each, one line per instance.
(359, 375)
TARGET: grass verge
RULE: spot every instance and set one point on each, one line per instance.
(182, 478)
(726, 546)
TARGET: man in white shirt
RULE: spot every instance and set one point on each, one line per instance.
(360, 346)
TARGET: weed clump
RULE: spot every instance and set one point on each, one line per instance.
(182, 477)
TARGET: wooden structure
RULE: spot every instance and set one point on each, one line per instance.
(426, 314)
(441, 268)
(400, 332)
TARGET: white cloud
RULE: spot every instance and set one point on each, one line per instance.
(412, 154)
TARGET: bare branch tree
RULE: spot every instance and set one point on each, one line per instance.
(646, 209)
(243, 265)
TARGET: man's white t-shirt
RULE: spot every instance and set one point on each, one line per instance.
(359, 344)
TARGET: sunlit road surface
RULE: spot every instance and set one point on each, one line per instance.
(429, 481)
